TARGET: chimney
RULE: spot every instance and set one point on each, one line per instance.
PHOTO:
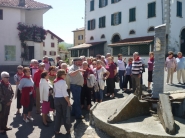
(22, 3)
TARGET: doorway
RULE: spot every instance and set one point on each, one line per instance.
(182, 41)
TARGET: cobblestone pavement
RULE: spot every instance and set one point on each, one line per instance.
(80, 129)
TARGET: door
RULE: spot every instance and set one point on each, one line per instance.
(30, 53)
(182, 41)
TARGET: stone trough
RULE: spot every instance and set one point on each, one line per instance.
(144, 126)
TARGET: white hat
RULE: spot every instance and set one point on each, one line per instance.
(4, 74)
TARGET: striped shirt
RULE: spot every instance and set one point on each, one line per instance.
(137, 67)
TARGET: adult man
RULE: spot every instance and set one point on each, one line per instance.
(46, 62)
(58, 58)
(136, 74)
(121, 70)
(76, 81)
(36, 80)
(34, 67)
(107, 55)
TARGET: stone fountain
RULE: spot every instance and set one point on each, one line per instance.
(132, 118)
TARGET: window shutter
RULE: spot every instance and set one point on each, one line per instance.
(119, 17)
(112, 19)
(94, 24)
(149, 10)
(112, 1)
(153, 9)
(100, 3)
(99, 22)
(88, 25)
(180, 9)
(54, 53)
(106, 2)
(49, 52)
(92, 5)
(130, 15)
(134, 14)
(103, 21)
(82, 37)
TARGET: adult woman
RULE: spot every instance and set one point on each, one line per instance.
(128, 74)
(67, 79)
(52, 74)
(44, 87)
(180, 68)
(150, 68)
(6, 96)
(170, 67)
(17, 78)
(111, 67)
(100, 71)
(26, 87)
(86, 92)
(62, 101)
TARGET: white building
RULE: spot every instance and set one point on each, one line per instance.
(128, 25)
(50, 45)
(11, 13)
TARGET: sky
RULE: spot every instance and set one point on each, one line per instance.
(64, 17)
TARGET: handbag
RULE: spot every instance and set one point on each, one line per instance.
(116, 78)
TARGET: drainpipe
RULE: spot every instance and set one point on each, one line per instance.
(162, 4)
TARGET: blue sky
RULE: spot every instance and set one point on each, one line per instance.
(65, 17)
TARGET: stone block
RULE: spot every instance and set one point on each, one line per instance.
(130, 108)
(164, 112)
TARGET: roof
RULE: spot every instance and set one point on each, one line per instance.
(59, 39)
(83, 46)
(79, 29)
(134, 41)
(29, 4)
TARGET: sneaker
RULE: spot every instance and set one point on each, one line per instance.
(30, 118)
(179, 83)
(25, 120)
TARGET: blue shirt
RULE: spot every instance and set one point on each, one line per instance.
(180, 63)
(129, 69)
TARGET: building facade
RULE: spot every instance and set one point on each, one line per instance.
(12, 12)
(79, 36)
(50, 45)
(128, 25)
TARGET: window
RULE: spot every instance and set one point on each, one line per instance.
(179, 9)
(52, 37)
(102, 22)
(52, 44)
(74, 53)
(102, 36)
(91, 24)
(123, 50)
(92, 38)
(1, 14)
(116, 18)
(151, 10)
(132, 32)
(83, 52)
(151, 29)
(114, 1)
(52, 53)
(103, 3)
(92, 5)
(132, 14)
(43, 44)
(44, 52)
(80, 37)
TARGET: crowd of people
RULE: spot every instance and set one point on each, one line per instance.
(50, 87)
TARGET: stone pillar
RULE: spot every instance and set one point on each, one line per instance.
(159, 53)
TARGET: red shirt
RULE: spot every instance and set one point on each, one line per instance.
(37, 77)
(86, 73)
(111, 69)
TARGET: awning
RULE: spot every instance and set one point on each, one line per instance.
(134, 41)
(84, 46)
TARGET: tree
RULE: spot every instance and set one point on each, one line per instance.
(62, 47)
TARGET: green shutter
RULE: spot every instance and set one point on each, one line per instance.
(99, 22)
(104, 21)
(149, 12)
(93, 5)
(134, 14)
(106, 2)
(88, 25)
(112, 1)
(153, 9)
(100, 4)
(112, 19)
(179, 9)
(130, 15)
(94, 24)
(119, 17)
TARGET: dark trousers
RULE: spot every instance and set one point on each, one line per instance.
(86, 93)
(18, 99)
(128, 79)
(29, 108)
(4, 116)
(76, 107)
(121, 76)
(110, 85)
(136, 85)
(61, 114)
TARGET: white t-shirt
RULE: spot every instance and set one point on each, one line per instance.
(121, 65)
(60, 89)
(100, 77)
